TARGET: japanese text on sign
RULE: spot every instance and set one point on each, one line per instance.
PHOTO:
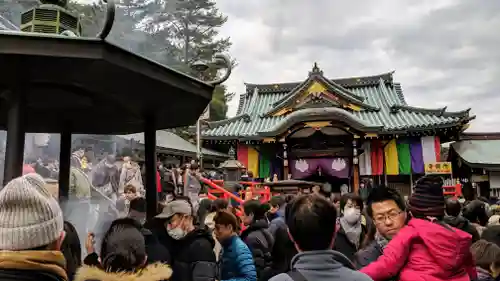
(438, 168)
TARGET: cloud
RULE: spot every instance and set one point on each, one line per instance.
(444, 52)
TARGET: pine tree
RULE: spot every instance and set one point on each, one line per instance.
(185, 31)
(190, 28)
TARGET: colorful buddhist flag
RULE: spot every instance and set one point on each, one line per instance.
(365, 165)
(377, 157)
(249, 157)
(425, 150)
(397, 157)
(371, 161)
(404, 156)
(391, 158)
(264, 163)
(401, 156)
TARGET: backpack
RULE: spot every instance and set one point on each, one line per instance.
(267, 271)
(268, 257)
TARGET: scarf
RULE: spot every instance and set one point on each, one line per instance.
(352, 232)
(381, 241)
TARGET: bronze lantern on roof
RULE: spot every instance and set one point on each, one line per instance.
(51, 17)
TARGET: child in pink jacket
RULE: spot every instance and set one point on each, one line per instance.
(426, 249)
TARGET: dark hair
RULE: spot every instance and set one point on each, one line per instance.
(354, 199)
(203, 209)
(289, 198)
(123, 247)
(311, 216)
(138, 204)
(256, 208)
(486, 254)
(381, 194)
(277, 201)
(226, 218)
(475, 212)
(71, 249)
(129, 188)
(218, 205)
(453, 207)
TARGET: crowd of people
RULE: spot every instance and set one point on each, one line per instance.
(290, 238)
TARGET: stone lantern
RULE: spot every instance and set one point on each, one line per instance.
(231, 169)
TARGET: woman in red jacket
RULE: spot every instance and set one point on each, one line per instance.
(426, 249)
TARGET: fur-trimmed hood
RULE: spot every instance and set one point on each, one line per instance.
(152, 272)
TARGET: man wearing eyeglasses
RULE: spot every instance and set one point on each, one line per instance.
(387, 209)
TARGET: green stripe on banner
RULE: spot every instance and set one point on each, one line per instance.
(264, 164)
(404, 157)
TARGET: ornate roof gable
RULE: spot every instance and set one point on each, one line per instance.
(317, 90)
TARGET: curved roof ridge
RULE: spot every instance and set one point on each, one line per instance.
(399, 91)
(435, 111)
(385, 94)
(387, 75)
(316, 114)
(251, 107)
(215, 124)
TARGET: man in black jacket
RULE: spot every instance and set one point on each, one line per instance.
(191, 248)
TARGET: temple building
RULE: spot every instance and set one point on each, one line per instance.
(340, 131)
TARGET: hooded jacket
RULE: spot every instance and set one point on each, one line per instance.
(152, 272)
(425, 251)
(326, 265)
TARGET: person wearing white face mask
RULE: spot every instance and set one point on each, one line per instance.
(191, 248)
(351, 229)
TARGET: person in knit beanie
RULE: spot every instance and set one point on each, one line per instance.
(427, 199)
(31, 231)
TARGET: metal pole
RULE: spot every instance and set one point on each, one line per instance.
(199, 154)
(150, 163)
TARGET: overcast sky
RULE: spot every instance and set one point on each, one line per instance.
(445, 53)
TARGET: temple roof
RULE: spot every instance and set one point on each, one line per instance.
(479, 153)
(376, 101)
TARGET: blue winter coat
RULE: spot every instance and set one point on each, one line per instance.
(236, 261)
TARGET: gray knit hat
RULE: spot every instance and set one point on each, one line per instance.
(29, 216)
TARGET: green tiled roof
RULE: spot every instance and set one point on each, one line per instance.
(385, 107)
(478, 152)
(170, 141)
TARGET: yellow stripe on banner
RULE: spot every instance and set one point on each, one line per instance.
(391, 158)
(253, 161)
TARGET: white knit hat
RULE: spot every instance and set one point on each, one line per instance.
(29, 216)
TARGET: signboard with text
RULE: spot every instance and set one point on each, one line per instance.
(438, 168)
